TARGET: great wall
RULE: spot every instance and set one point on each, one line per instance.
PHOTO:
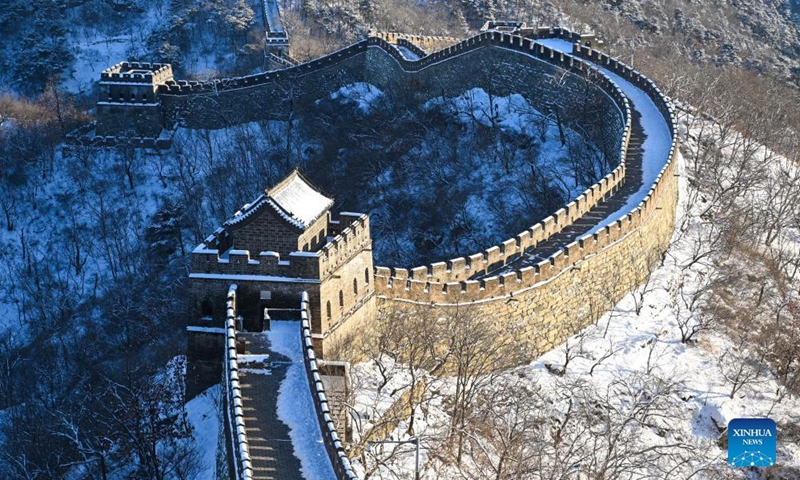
(549, 281)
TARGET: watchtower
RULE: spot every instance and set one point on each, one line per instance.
(276, 41)
(129, 103)
(283, 243)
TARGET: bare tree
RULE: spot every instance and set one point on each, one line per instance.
(478, 351)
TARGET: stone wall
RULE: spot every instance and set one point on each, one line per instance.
(554, 299)
(548, 301)
(347, 289)
(330, 437)
(558, 298)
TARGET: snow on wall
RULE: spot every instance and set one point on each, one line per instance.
(333, 445)
(436, 283)
(297, 405)
(234, 411)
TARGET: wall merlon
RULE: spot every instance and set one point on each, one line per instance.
(492, 256)
(475, 264)
(400, 273)
(524, 241)
(548, 226)
(417, 289)
(509, 249)
(543, 269)
(558, 260)
(457, 268)
(420, 273)
(471, 288)
(438, 271)
(537, 234)
(510, 281)
(572, 251)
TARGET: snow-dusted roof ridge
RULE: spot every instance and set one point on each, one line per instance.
(246, 210)
(294, 199)
(299, 199)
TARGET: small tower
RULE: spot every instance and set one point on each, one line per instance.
(276, 41)
(283, 243)
(129, 105)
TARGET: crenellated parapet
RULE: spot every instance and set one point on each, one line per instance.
(352, 235)
(138, 72)
(469, 279)
(128, 104)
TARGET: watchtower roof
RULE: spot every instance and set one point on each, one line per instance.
(299, 198)
(294, 199)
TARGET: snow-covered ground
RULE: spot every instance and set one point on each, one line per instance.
(626, 360)
(203, 414)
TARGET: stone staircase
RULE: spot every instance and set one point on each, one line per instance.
(632, 184)
(260, 374)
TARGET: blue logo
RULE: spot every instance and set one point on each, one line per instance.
(751, 442)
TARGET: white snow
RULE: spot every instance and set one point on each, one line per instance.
(657, 142)
(301, 200)
(407, 53)
(360, 93)
(202, 413)
(295, 406)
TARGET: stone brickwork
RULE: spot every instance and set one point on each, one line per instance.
(128, 103)
(272, 257)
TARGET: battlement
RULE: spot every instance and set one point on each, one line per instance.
(352, 235)
(509, 26)
(209, 261)
(138, 72)
(455, 281)
(216, 255)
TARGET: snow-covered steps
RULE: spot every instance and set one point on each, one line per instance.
(282, 428)
(647, 153)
